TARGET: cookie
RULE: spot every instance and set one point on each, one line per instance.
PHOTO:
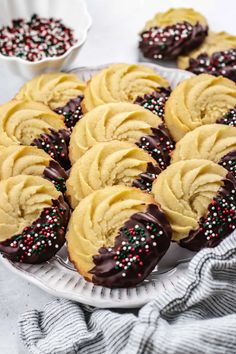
(172, 33)
(16, 160)
(33, 123)
(125, 122)
(33, 219)
(216, 56)
(219, 63)
(108, 164)
(62, 92)
(215, 142)
(116, 236)
(121, 83)
(198, 198)
(199, 100)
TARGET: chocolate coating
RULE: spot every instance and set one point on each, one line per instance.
(155, 101)
(229, 118)
(139, 253)
(159, 145)
(145, 179)
(56, 174)
(72, 111)
(36, 244)
(171, 41)
(219, 222)
(55, 144)
(228, 161)
(219, 63)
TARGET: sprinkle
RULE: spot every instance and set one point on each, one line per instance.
(54, 138)
(139, 243)
(219, 63)
(36, 39)
(229, 162)
(72, 112)
(35, 239)
(229, 118)
(221, 216)
(155, 101)
(159, 145)
(167, 42)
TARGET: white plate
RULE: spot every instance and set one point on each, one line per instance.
(59, 278)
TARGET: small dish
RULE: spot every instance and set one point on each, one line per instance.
(73, 15)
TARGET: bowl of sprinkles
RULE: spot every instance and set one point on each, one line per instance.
(41, 36)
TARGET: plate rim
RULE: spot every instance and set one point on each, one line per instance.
(157, 66)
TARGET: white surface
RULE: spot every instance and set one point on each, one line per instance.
(75, 17)
(113, 37)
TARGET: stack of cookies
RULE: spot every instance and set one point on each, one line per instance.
(183, 34)
(139, 166)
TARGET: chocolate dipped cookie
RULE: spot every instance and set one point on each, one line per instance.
(110, 163)
(216, 56)
(172, 33)
(215, 142)
(121, 83)
(16, 160)
(34, 218)
(116, 236)
(33, 123)
(62, 92)
(124, 122)
(200, 100)
(198, 198)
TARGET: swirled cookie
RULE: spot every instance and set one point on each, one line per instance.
(108, 164)
(126, 122)
(198, 198)
(116, 236)
(216, 56)
(33, 123)
(18, 160)
(121, 83)
(33, 219)
(60, 91)
(199, 100)
(215, 142)
(171, 33)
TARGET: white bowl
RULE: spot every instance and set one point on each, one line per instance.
(73, 14)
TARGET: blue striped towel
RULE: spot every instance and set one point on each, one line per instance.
(199, 316)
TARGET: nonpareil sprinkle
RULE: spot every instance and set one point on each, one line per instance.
(36, 39)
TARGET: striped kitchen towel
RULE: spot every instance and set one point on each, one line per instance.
(199, 316)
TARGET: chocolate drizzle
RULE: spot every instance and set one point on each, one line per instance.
(57, 175)
(43, 239)
(72, 111)
(159, 145)
(155, 101)
(228, 161)
(139, 246)
(229, 118)
(145, 180)
(219, 63)
(171, 41)
(220, 220)
(55, 143)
